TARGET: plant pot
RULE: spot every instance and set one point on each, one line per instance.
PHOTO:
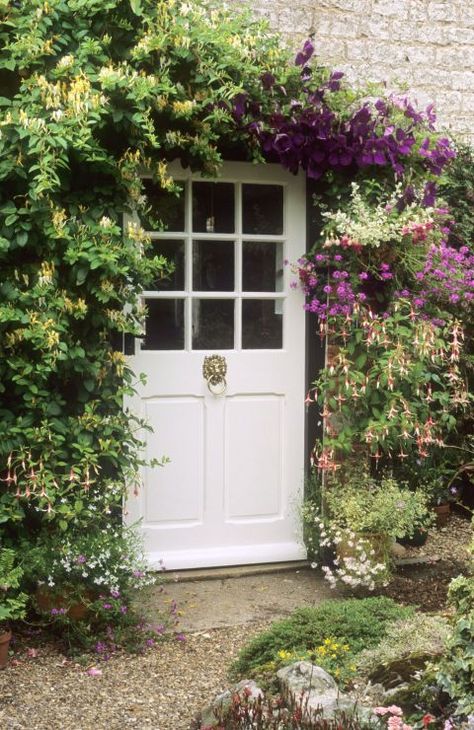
(5, 638)
(75, 608)
(418, 539)
(379, 542)
(442, 514)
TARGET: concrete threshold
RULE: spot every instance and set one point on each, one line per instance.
(233, 571)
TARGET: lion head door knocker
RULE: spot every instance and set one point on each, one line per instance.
(214, 370)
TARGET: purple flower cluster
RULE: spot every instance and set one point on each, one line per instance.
(311, 136)
(448, 276)
(58, 611)
(330, 289)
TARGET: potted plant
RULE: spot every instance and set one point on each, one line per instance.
(386, 510)
(12, 601)
(74, 572)
(434, 476)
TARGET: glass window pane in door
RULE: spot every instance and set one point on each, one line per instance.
(262, 324)
(164, 324)
(213, 265)
(262, 265)
(213, 324)
(165, 210)
(213, 207)
(173, 251)
(262, 209)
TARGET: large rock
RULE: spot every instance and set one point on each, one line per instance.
(223, 701)
(316, 688)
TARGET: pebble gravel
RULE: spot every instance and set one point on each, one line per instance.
(160, 690)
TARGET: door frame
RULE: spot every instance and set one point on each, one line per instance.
(312, 352)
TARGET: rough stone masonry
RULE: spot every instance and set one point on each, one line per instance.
(423, 46)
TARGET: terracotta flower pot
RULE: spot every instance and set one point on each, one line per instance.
(5, 638)
(442, 514)
(75, 609)
(379, 542)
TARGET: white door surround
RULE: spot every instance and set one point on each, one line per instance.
(233, 488)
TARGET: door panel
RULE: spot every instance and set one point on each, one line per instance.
(233, 487)
(253, 457)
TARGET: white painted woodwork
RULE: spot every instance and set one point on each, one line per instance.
(232, 490)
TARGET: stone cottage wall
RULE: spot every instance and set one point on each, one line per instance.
(423, 45)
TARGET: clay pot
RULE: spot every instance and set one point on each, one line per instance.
(442, 514)
(75, 609)
(379, 542)
(5, 638)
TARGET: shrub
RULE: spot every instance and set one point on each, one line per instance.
(360, 623)
(456, 671)
(415, 638)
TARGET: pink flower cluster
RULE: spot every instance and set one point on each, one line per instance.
(395, 719)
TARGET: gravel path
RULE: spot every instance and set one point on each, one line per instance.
(162, 689)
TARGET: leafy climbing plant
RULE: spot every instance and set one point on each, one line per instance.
(93, 94)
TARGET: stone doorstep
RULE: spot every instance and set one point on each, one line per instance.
(233, 571)
(240, 571)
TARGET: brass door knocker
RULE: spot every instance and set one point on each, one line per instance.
(214, 370)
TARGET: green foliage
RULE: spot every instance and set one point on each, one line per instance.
(391, 386)
(406, 642)
(360, 623)
(457, 188)
(86, 585)
(364, 505)
(12, 601)
(456, 671)
(93, 95)
(333, 656)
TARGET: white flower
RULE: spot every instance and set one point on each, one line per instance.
(105, 222)
(66, 61)
(57, 115)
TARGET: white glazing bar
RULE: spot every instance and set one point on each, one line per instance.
(238, 268)
(188, 267)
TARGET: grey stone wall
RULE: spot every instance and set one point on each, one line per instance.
(425, 46)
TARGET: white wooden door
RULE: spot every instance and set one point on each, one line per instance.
(232, 490)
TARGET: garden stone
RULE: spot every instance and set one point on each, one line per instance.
(398, 551)
(317, 688)
(223, 701)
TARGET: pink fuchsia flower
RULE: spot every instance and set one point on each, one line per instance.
(115, 594)
(106, 605)
(180, 637)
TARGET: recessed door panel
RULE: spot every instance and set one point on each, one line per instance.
(175, 493)
(253, 458)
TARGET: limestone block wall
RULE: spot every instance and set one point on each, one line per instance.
(426, 46)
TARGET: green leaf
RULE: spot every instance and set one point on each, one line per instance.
(136, 6)
(81, 275)
(63, 525)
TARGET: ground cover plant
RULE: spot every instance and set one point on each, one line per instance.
(354, 623)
